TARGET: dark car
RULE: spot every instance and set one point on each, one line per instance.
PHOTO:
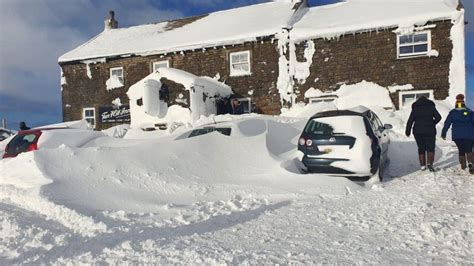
(351, 143)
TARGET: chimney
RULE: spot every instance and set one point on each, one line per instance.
(110, 23)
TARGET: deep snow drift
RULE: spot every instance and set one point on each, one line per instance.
(230, 199)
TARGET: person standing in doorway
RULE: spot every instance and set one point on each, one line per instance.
(461, 119)
(423, 119)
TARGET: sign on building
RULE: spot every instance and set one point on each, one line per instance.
(111, 114)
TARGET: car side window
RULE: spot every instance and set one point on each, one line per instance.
(377, 121)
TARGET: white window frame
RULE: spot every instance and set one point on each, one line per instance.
(249, 104)
(428, 43)
(89, 117)
(231, 63)
(119, 77)
(322, 99)
(415, 92)
(153, 68)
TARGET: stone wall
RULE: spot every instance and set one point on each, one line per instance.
(373, 57)
(82, 91)
(370, 56)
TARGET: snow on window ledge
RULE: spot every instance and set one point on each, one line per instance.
(113, 83)
(239, 73)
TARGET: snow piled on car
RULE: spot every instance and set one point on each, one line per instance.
(238, 199)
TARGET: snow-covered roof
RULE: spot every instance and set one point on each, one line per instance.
(248, 23)
(359, 15)
(219, 28)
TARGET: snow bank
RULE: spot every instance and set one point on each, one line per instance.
(363, 93)
(457, 66)
(148, 175)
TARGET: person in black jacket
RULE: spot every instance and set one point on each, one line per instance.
(425, 117)
(23, 126)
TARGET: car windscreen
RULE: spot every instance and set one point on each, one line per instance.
(224, 131)
(20, 143)
(206, 130)
(318, 128)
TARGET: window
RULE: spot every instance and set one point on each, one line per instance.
(418, 43)
(240, 63)
(118, 72)
(89, 115)
(318, 128)
(159, 64)
(406, 98)
(325, 99)
(246, 104)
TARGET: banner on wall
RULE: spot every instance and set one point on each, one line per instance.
(111, 114)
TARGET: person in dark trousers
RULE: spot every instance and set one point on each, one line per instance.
(461, 119)
(23, 126)
(424, 116)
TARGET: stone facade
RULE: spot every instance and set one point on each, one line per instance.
(370, 56)
(84, 92)
(373, 57)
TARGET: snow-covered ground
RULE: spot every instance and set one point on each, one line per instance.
(230, 200)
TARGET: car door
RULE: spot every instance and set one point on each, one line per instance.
(382, 134)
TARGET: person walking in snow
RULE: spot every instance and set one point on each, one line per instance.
(424, 116)
(461, 119)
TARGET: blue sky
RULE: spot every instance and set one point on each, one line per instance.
(34, 33)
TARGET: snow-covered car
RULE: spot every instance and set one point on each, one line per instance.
(48, 138)
(352, 143)
(5, 133)
(206, 129)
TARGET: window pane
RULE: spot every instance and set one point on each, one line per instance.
(239, 58)
(421, 48)
(117, 72)
(244, 67)
(157, 65)
(408, 98)
(419, 95)
(406, 39)
(318, 128)
(235, 58)
(406, 50)
(245, 105)
(421, 37)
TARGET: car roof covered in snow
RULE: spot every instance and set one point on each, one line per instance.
(219, 28)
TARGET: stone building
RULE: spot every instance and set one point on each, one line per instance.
(270, 54)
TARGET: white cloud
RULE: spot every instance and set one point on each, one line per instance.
(34, 33)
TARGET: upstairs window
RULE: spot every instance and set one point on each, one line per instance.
(89, 115)
(117, 72)
(240, 63)
(159, 64)
(415, 44)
